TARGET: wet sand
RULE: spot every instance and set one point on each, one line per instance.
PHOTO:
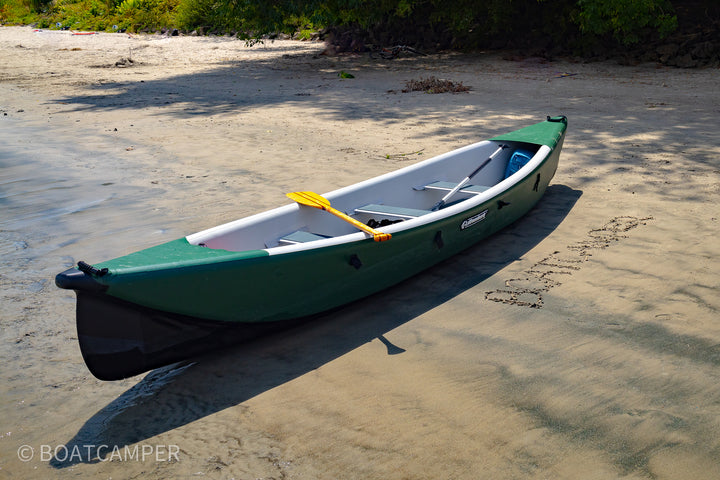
(581, 342)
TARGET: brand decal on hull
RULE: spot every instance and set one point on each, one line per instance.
(469, 222)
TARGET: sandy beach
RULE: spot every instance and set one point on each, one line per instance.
(110, 143)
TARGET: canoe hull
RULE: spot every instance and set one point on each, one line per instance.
(119, 339)
(146, 319)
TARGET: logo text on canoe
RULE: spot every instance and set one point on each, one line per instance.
(469, 222)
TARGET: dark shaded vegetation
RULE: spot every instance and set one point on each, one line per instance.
(674, 32)
(684, 33)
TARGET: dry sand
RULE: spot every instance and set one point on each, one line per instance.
(477, 369)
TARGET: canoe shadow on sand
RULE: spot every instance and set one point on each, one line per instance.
(170, 397)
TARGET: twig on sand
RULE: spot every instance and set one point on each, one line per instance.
(401, 155)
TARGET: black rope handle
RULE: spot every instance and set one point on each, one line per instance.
(559, 118)
(90, 270)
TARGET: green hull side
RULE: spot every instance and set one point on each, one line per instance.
(255, 287)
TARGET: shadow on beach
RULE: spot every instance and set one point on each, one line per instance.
(177, 395)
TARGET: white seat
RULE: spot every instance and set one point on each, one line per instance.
(391, 211)
(300, 236)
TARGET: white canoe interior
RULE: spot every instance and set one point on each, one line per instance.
(408, 194)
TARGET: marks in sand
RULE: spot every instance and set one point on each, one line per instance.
(527, 290)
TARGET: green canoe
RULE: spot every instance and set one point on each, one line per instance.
(238, 280)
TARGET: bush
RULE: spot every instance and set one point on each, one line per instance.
(426, 24)
(19, 12)
(152, 15)
(627, 20)
(194, 13)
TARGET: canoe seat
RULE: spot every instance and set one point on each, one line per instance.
(390, 211)
(300, 237)
(448, 186)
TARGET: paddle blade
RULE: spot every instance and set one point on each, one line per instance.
(311, 199)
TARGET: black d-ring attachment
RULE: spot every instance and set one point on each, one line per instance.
(438, 240)
(355, 261)
(558, 118)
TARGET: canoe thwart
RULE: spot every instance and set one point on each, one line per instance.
(448, 186)
(390, 211)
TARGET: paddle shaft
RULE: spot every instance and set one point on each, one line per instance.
(314, 200)
(466, 180)
(377, 235)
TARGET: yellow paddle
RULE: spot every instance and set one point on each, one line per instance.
(312, 199)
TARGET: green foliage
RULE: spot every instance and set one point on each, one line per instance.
(135, 15)
(423, 23)
(193, 13)
(78, 15)
(626, 20)
(19, 11)
(132, 15)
